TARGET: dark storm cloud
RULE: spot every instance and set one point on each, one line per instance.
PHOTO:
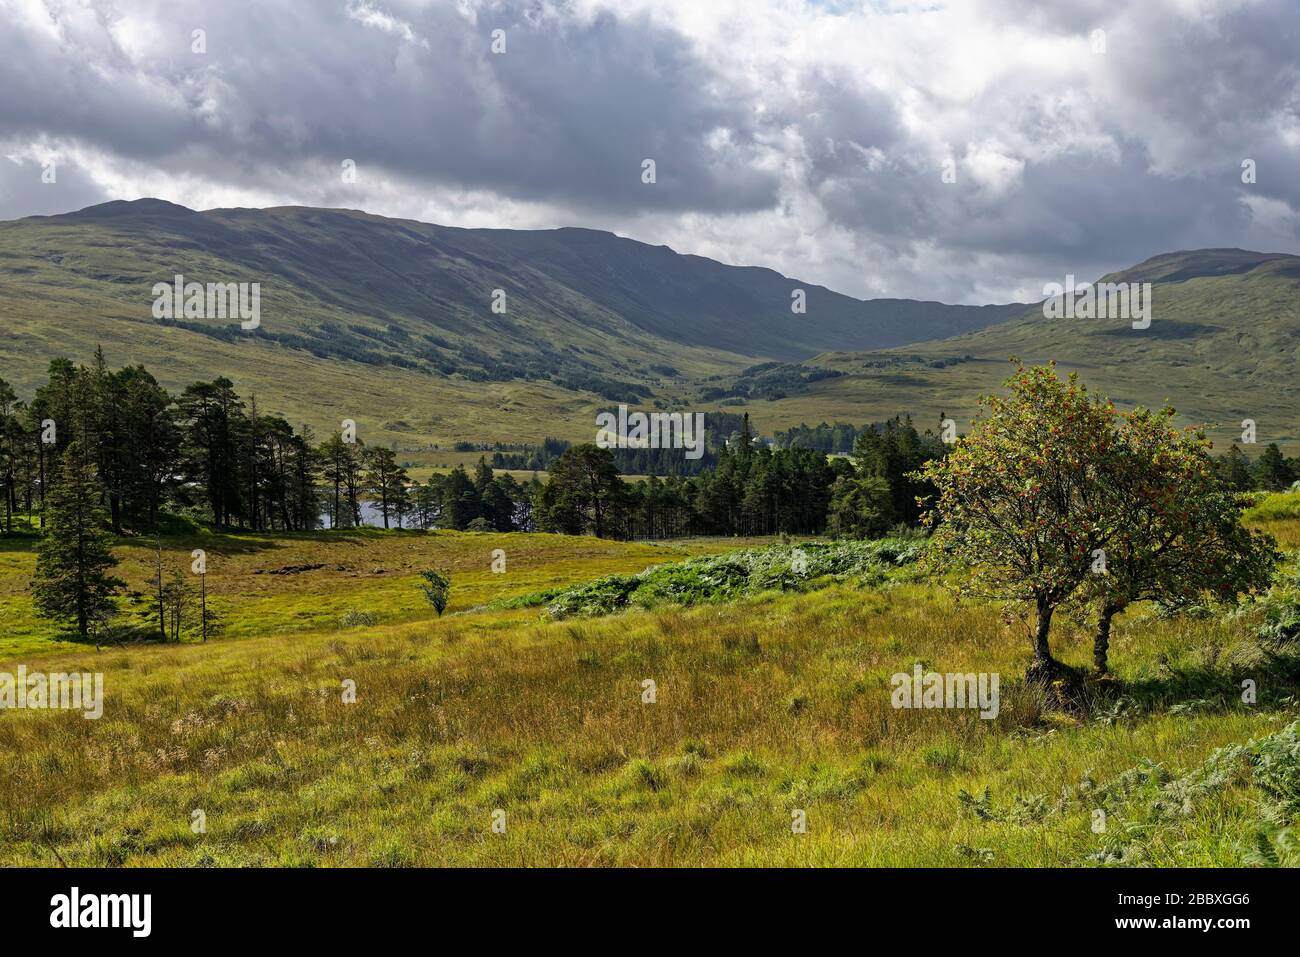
(811, 137)
(568, 112)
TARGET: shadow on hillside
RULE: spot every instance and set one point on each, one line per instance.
(230, 543)
(115, 635)
(216, 543)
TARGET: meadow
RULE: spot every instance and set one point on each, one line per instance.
(502, 734)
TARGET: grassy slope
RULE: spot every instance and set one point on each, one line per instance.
(72, 286)
(1221, 348)
(338, 285)
(776, 703)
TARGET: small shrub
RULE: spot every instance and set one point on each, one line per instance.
(944, 757)
(1276, 767)
(357, 619)
(436, 588)
(719, 578)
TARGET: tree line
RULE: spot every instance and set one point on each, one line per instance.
(1271, 471)
(97, 452)
(209, 455)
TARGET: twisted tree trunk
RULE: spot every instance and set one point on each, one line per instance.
(1101, 642)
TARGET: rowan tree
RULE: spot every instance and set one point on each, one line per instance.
(1175, 535)
(1019, 505)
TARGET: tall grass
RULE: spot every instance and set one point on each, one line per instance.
(774, 702)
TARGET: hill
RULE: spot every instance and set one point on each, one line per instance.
(1221, 347)
(391, 322)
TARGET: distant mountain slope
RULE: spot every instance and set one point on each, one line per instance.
(393, 320)
(563, 286)
(745, 309)
(1223, 346)
(389, 322)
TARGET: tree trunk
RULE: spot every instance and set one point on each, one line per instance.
(40, 455)
(1101, 642)
(1042, 651)
(162, 606)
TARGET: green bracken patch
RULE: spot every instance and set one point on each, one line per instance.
(727, 577)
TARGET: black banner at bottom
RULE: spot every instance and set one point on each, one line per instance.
(334, 906)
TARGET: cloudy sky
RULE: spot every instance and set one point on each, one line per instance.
(812, 137)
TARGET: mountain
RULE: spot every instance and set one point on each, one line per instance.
(1222, 347)
(392, 321)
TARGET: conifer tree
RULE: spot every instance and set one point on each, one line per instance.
(73, 561)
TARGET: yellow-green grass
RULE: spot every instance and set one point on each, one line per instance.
(777, 704)
(1279, 507)
(1285, 530)
(257, 584)
(1198, 356)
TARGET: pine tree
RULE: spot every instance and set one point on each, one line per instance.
(1271, 470)
(385, 478)
(72, 581)
(10, 444)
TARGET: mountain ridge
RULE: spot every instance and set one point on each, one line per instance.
(389, 321)
(740, 309)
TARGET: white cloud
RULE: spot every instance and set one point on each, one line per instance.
(804, 136)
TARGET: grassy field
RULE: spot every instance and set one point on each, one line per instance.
(776, 703)
(278, 584)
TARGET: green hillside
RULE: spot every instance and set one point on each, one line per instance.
(1222, 347)
(390, 322)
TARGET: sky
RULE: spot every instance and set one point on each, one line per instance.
(961, 151)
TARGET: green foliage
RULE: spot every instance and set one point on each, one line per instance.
(894, 452)
(1272, 472)
(861, 507)
(354, 618)
(1144, 801)
(1276, 768)
(584, 492)
(386, 481)
(1019, 508)
(1280, 607)
(73, 560)
(721, 578)
(1056, 498)
(436, 588)
(1172, 532)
